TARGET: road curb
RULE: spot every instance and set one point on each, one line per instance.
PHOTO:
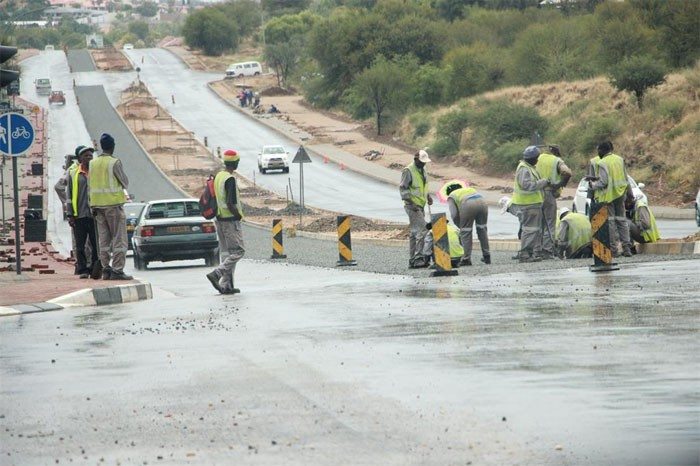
(670, 248)
(119, 294)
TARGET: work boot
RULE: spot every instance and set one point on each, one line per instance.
(119, 275)
(107, 273)
(84, 275)
(230, 291)
(486, 259)
(525, 259)
(465, 262)
(213, 278)
(626, 251)
(96, 272)
(634, 249)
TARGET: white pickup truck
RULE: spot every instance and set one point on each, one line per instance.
(43, 86)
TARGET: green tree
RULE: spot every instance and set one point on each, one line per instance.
(472, 70)
(284, 7)
(283, 58)
(284, 28)
(638, 74)
(246, 13)
(139, 29)
(211, 31)
(383, 87)
(147, 9)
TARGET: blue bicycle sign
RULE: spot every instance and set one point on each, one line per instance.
(16, 134)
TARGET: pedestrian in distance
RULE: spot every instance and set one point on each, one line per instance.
(610, 188)
(642, 223)
(551, 167)
(80, 215)
(228, 225)
(414, 193)
(574, 235)
(108, 183)
(527, 200)
(467, 207)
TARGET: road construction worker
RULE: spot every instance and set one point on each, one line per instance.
(527, 201)
(70, 164)
(610, 188)
(551, 167)
(574, 235)
(228, 225)
(108, 183)
(456, 250)
(414, 193)
(642, 223)
(80, 215)
(467, 206)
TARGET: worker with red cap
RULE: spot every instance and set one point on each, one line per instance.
(228, 225)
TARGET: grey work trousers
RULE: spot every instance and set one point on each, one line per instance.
(231, 250)
(470, 211)
(617, 225)
(635, 232)
(111, 236)
(549, 222)
(416, 236)
(531, 225)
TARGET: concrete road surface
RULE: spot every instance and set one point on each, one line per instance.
(311, 366)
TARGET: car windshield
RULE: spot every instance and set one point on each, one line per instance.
(273, 150)
(43, 81)
(174, 209)
(133, 210)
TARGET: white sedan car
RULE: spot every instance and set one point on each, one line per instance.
(273, 158)
(582, 203)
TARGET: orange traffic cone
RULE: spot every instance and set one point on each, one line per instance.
(325, 159)
(342, 166)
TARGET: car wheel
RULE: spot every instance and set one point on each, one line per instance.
(285, 170)
(212, 258)
(263, 170)
(139, 263)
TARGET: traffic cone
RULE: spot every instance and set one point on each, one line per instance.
(342, 166)
(325, 159)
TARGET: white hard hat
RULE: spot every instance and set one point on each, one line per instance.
(423, 156)
(504, 203)
(563, 210)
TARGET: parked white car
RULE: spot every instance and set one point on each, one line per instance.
(128, 47)
(582, 203)
(273, 158)
(248, 68)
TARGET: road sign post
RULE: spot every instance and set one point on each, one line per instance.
(301, 158)
(16, 137)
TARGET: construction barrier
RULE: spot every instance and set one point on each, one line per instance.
(441, 247)
(344, 243)
(602, 254)
(277, 240)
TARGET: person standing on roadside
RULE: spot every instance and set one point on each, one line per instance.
(228, 225)
(107, 184)
(414, 193)
(527, 201)
(80, 215)
(610, 188)
(551, 167)
(467, 206)
(70, 166)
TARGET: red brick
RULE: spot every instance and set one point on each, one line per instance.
(47, 272)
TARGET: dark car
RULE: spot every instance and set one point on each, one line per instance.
(174, 229)
(132, 210)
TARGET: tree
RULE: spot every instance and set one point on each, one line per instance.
(283, 57)
(139, 29)
(383, 87)
(211, 31)
(638, 74)
(147, 9)
(247, 14)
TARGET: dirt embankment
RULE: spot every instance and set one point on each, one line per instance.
(110, 59)
(188, 163)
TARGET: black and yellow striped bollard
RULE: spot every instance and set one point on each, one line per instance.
(441, 247)
(602, 254)
(344, 243)
(277, 240)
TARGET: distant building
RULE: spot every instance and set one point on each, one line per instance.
(94, 41)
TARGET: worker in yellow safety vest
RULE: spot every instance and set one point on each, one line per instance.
(108, 183)
(610, 188)
(551, 167)
(467, 208)
(414, 193)
(228, 225)
(456, 250)
(527, 203)
(574, 235)
(80, 215)
(642, 223)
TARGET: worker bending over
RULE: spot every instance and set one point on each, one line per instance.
(574, 236)
(642, 223)
(467, 206)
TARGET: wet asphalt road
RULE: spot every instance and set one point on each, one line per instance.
(314, 366)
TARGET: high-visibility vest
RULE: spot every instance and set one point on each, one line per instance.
(456, 249)
(651, 234)
(462, 193)
(594, 162)
(617, 182)
(105, 189)
(579, 232)
(522, 197)
(75, 178)
(220, 189)
(547, 167)
(419, 186)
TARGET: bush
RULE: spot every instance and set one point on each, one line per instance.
(671, 109)
(211, 31)
(420, 123)
(444, 147)
(502, 122)
(637, 74)
(505, 157)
